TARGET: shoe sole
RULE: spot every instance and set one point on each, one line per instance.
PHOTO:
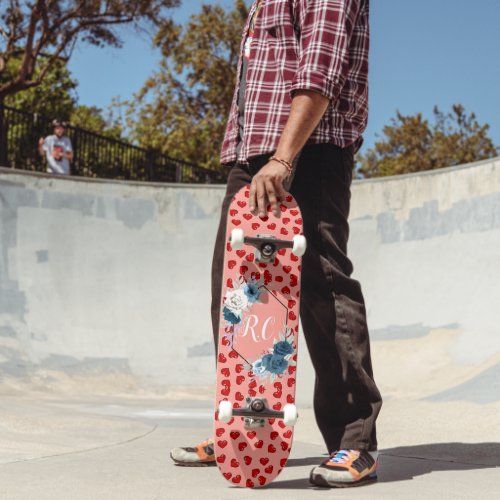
(192, 464)
(321, 481)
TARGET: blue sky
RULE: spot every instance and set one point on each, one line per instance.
(425, 53)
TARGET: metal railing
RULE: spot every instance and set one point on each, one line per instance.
(95, 155)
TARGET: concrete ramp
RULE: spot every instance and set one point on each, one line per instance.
(105, 286)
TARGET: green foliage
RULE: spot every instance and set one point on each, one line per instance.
(182, 108)
(411, 144)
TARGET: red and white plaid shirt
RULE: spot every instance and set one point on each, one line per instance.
(319, 45)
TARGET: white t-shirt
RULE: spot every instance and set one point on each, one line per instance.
(53, 146)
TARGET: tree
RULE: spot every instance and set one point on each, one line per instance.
(43, 32)
(411, 144)
(182, 109)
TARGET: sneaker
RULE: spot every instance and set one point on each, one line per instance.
(202, 455)
(346, 468)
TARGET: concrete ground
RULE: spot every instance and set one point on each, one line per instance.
(54, 445)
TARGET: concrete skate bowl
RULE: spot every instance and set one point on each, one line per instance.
(105, 286)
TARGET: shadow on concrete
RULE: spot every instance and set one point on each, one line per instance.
(407, 462)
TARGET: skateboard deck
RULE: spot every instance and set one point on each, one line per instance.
(257, 347)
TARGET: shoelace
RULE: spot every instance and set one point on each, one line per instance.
(341, 456)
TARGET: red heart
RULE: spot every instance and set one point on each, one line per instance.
(292, 315)
(277, 406)
(252, 384)
(277, 394)
(249, 257)
(227, 475)
(236, 479)
(247, 460)
(233, 354)
(271, 448)
(238, 367)
(239, 396)
(241, 204)
(298, 221)
(250, 483)
(290, 399)
(291, 303)
(265, 218)
(222, 358)
(255, 472)
(236, 222)
(278, 385)
(283, 462)
(294, 212)
(293, 280)
(285, 220)
(233, 212)
(296, 230)
(229, 283)
(262, 389)
(225, 372)
(259, 443)
(244, 269)
(231, 264)
(264, 461)
(294, 258)
(271, 226)
(251, 434)
(252, 393)
(235, 463)
(221, 458)
(274, 435)
(242, 446)
(240, 379)
(269, 469)
(289, 199)
(255, 226)
(222, 444)
(281, 424)
(284, 446)
(234, 434)
(219, 432)
(255, 276)
(247, 216)
(285, 290)
(262, 480)
(247, 194)
(287, 269)
(291, 369)
(279, 279)
(283, 231)
(287, 434)
(291, 382)
(240, 253)
(282, 251)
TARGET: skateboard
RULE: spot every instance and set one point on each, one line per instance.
(257, 349)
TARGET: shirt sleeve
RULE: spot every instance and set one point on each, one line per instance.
(325, 31)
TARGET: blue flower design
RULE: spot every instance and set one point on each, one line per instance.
(274, 363)
(283, 348)
(230, 316)
(252, 292)
(258, 367)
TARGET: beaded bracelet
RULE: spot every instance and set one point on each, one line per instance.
(287, 164)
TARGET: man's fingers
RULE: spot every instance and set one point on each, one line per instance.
(271, 194)
(261, 197)
(252, 196)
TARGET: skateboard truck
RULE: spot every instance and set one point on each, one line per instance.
(267, 246)
(256, 411)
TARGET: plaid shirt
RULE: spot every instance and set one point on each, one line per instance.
(319, 45)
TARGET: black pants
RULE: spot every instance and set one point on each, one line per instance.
(332, 308)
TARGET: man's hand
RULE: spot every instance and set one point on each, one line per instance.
(267, 188)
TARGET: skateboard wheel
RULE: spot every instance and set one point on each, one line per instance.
(226, 411)
(299, 245)
(290, 415)
(237, 239)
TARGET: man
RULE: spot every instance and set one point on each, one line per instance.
(301, 98)
(57, 148)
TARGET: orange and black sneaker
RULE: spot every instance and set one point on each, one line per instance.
(201, 455)
(346, 468)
